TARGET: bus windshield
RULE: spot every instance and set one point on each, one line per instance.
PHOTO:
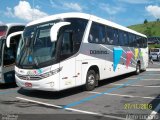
(35, 47)
(3, 30)
(154, 50)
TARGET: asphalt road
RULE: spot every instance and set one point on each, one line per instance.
(120, 98)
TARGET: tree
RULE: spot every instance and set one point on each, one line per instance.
(158, 20)
(145, 21)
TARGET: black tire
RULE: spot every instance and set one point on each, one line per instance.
(138, 69)
(90, 80)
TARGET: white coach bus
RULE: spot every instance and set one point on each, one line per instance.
(72, 49)
(8, 55)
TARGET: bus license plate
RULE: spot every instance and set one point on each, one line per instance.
(27, 84)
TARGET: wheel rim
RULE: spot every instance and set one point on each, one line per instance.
(91, 79)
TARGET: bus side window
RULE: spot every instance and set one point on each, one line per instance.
(121, 38)
(116, 37)
(15, 29)
(145, 42)
(110, 36)
(77, 29)
(131, 39)
(97, 34)
(134, 41)
(126, 42)
(66, 45)
(138, 41)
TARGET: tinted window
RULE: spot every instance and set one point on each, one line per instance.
(121, 38)
(77, 28)
(71, 37)
(110, 35)
(144, 42)
(116, 37)
(67, 44)
(139, 41)
(97, 33)
(131, 39)
(135, 41)
(15, 29)
(10, 53)
(125, 38)
(3, 30)
(154, 50)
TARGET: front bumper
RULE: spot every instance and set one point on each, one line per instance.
(46, 84)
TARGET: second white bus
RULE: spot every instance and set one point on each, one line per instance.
(8, 55)
(72, 49)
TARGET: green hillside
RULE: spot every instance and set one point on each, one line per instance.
(149, 28)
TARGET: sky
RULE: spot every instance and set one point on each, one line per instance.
(123, 12)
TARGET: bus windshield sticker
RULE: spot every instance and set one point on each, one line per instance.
(30, 58)
(117, 53)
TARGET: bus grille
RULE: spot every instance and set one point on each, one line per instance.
(27, 77)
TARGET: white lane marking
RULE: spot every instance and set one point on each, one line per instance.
(156, 63)
(82, 111)
(151, 79)
(132, 78)
(137, 85)
(131, 96)
(71, 109)
(142, 79)
(42, 103)
(153, 113)
(153, 69)
(149, 74)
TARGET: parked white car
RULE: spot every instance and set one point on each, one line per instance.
(155, 53)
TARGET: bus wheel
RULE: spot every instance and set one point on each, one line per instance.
(138, 68)
(90, 80)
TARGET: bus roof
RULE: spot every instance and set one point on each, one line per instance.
(12, 24)
(84, 16)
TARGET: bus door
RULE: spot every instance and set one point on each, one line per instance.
(67, 60)
(8, 59)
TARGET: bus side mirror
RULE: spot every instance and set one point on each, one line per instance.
(12, 35)
(55, 29)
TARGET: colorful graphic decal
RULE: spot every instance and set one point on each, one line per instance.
(128, 58)
(39, 71)
(136, 52)
(117, 53)
(34, 72)
(141, 54)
